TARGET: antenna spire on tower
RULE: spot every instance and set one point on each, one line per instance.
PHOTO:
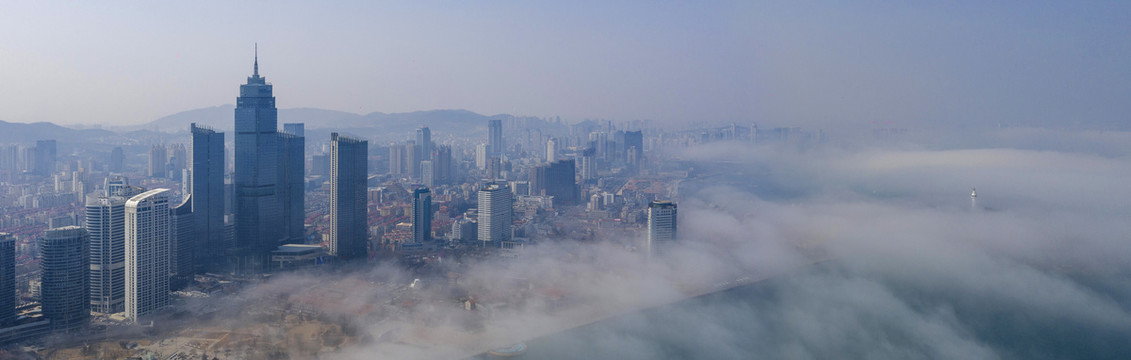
(256, 71)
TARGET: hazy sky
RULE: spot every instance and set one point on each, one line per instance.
(815, 64)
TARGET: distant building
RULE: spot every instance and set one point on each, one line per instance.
(557, 179)
(589, 165)
(495, 137)
(64, 267)
(157, 157)
(552, 150)
(495, 214)
(397, 158)
(148, 231)
(7, 279)
(482, 155)
(661, 224)
(117, 160)
(422, 215)
(423, 148)
(348, 172)
(44, 157)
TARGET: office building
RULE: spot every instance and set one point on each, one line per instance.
(348, 171)
(661, 224)
(557, 179)
(633, 147)
(292, 179)
(149, 227)
(64, 266)
(495, 137)
(258, 208)
(495, 214)
(178, 158)
(422, 215)
(7, 279)
(412, 160)
(589, 166)
(206, 183)
(106, 228)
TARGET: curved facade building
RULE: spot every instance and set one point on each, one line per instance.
(64, 266)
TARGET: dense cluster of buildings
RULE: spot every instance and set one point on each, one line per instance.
(117, 249)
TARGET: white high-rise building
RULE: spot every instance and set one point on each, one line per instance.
(482, 154)
(552, 150)
(661, 224)
(148, 233)
(495, 210)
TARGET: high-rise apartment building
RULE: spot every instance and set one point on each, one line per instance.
(661, 224)
(397, 158)
(495, 214)
(64, 267)
(442, 162)
(482, 156)
(106, 227)
(7, 279)
(157, 158)
(348, 172)
(552, 150)
(422, 215)
(207, 186)
(495, 137)
(149, 227)
(258, 208)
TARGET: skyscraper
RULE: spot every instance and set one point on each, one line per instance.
(589, 165)
(207, 186)
(7, 279)
(423, 147)
(482, 156)
(157, 157)
(182, 244)
(348, 172)
(44, 157)
(495, 214)
(178, 158)
(106, 226)
(495, 137)
(65, 282)
(412, 159)
(661, 224)
(292, 179)
(117, 159)
(148, 232)
(633, 147)
(259, 229)
(422, 215)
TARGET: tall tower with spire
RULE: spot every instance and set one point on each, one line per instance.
(257, 191)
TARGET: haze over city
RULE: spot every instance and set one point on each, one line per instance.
(633, 180)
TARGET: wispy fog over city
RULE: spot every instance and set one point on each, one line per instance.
(583, 180)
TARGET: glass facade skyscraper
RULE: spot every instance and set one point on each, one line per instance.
(348, 171)
(258, 206)
(207, 186)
